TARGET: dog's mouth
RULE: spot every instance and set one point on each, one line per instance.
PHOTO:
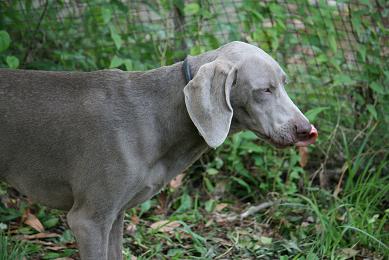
(310, 139)
(272, 141)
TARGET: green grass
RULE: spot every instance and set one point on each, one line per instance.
(10, 249)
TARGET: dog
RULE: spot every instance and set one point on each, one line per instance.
(97, 143)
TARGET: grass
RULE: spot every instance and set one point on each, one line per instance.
(10, 249)
(201, 220)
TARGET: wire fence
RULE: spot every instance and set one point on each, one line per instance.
(323, 45)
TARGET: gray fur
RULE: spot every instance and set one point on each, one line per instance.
(97, 143)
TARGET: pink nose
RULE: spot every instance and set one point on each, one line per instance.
(313, 133)
(310, 138)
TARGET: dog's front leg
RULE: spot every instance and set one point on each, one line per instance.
(116, 238)
(91, 232)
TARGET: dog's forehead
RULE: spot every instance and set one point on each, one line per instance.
(261, 69)
(252, 60)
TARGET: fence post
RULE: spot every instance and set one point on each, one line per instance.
(179, 23)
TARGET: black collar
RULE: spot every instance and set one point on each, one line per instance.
(186, 70)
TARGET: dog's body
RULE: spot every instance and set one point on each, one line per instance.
(97, 143)
(60, 131)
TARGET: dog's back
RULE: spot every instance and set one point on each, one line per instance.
(44, 118)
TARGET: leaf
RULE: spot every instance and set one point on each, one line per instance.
(186, 203)
(106, 14)
(349, 252)
(5, 40)
(266, 240)
(3, 226)
(135, 219)
(51, 222)
(373, 219)
(32, 221)
(196, 50)
(332, 43)
(12, 62)
(314, 112)
(209, 184)
(40, 236)
(191, 9)
(130, 229)
(128, 64)
(372, 111)
(145, 206)
(57, 248)
(376, 87)
(210, 205)
(117, 39)
(221, 206)
(177, 181)
(342, 79)
(248, 135)
(312, 256)
(115, 62)
(252, 148)
(212, 171)
(303, 151)
(165, 226)
(242, 183)
(362, 52)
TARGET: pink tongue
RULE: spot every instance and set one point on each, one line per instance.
(312, 138)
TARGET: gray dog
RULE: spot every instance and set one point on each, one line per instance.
(100, 142)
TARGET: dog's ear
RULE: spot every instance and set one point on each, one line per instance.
(207, 99)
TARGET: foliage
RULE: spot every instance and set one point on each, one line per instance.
(336, 59)
(11, 251)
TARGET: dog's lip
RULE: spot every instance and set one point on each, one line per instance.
(302, 143)
(311, 139)
(271, 141)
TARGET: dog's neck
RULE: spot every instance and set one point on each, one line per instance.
(181, 142)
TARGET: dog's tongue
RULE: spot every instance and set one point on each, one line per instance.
(311, 139)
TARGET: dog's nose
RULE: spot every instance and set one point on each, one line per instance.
(303, 130)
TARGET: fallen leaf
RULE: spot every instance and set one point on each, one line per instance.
(349, 252)
(221, 206)
(304, 224)
(40, 236)
(131, 229)
(56, 248)
(177, 181)
(303, 151)
(221, 241)
(32, 221)
(338, 188)
(135, 219)
(165, 226)
(42, 242)
(162, 206)
(225, 218)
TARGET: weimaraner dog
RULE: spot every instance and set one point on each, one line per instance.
(97, 143)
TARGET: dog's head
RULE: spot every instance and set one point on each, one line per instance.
(244, 87)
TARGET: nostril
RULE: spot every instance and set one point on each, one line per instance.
(303, 131)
